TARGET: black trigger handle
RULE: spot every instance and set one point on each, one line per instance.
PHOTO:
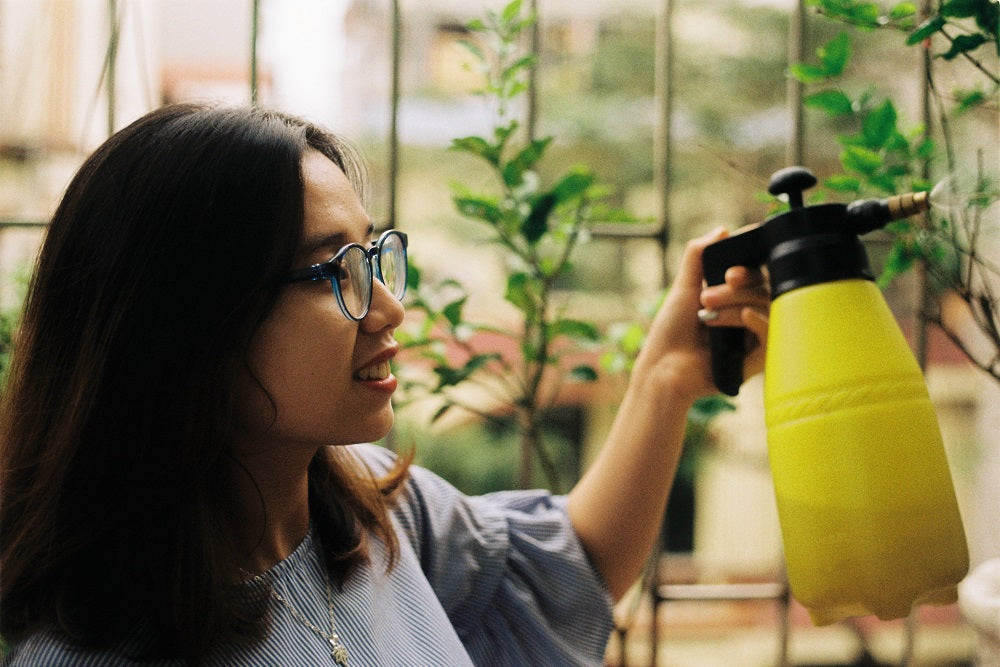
(727, 345)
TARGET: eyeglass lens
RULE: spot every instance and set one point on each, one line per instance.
(392, 264)
(355, 281)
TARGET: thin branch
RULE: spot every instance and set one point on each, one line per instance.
(973, 61)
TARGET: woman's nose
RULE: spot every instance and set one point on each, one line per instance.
(386, 310)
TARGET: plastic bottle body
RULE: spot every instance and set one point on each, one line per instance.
(868, 513)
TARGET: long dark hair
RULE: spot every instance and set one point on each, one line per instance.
(160, 262)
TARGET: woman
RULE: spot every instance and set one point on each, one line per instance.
(180, 480)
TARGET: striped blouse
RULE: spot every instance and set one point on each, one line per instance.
(498, 580)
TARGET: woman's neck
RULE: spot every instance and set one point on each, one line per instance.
(271, 507)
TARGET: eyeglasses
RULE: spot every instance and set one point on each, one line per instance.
(353, 268)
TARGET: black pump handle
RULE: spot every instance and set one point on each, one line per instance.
(728, 345)
(791, 181)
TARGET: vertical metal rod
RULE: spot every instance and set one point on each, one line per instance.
(785, 624)
(254, 34)
(112, 63)
(796, 53)
(923, 288)
(925, 112)
(662, 154)
(924, 295)
(394, 95)
(662, 149)
(534, 47)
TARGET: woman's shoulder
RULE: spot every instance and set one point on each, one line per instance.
(380, 460)
(50, 648)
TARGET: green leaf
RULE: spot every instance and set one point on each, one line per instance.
(441, 412)
(477, 146)
(512, 89)
(884, 182)
(925, 30)
(833, 102)
(860, 159)
(472, 48)
(897, 143)
(968, 99)
(900, 259)
(898, 170)
(514, 170)
(522, 63)
(583, 373)
(925, 150)
(612, 214)
(575, 329)
(573, 184)
(453, 311)
(902, 10)
(504, 132)
(480, 208)
(879, 125)
(632, 339)
(961, 8)
(519, 292)
(843, 183)
(412, 277)
(449, 377)
(865, 14)
(806, 73)
(511, 11)
(834, 54)
(537, 222)
(833, 57)
(708, 407)
(963, 44)
(988, 19)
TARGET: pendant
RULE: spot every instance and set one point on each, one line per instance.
(338, 652)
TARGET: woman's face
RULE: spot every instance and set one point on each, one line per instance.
(328, 376)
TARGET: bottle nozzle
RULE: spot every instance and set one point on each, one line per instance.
(867, 215)
(903, 206)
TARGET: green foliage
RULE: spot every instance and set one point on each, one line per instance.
(8, 322)
(481, 458)
(832, 59)
(984, 14)
(881, 157)
(538, 226)
(9, 319)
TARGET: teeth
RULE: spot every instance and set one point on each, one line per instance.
(375, 372)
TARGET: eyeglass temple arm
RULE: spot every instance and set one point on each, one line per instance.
(314, 272)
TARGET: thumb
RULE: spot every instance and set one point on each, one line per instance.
(690, 273)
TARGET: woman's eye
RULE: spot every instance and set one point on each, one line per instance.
(343, 273)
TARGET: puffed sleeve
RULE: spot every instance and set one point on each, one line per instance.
(509, 571)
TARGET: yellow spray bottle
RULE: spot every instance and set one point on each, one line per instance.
(867, 508)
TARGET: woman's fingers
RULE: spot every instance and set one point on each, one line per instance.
(744, 287)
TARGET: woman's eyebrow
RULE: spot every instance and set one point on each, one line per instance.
(332, 242)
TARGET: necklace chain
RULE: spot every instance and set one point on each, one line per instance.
(338, 652)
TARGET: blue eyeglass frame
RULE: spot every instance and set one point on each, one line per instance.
(330, 270)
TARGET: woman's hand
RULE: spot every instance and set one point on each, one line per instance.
(676, 350)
